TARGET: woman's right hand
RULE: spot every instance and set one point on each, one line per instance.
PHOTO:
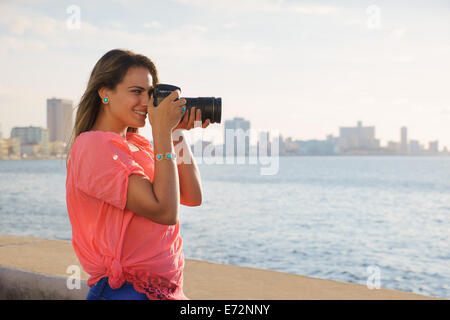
(167, 114)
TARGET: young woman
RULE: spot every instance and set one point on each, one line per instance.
(122, 193)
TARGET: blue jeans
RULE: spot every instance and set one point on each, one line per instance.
(102, 291)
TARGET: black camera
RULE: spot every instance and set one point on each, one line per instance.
(211, 107)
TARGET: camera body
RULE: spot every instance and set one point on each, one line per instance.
(211, 107)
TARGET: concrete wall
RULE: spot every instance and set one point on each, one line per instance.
(35, 268)
(18, 284)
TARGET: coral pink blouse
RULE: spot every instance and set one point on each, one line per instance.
(110, 240)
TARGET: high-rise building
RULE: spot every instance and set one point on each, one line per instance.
(392, 147)
(414, 147)
(263, 145)
(357, 138)
(404, 140)
(3, 145)
(237, 137)
(59, 119)
(32, 139)
(433, 147)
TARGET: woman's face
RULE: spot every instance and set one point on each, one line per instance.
(129, 96)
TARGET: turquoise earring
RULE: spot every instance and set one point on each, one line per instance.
(105, 100)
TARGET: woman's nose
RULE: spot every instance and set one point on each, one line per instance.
(145, 99)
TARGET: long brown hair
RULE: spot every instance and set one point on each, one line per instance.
(108, 72)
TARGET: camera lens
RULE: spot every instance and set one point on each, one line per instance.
(210, 107)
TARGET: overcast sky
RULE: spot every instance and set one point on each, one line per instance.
(301, 67)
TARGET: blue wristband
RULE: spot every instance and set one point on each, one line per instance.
(168, 156)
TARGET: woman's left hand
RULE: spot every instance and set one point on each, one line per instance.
(188, 120)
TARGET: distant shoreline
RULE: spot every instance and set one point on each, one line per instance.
(284, 155)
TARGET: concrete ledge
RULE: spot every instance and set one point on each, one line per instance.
(35, 268)
(18, 284)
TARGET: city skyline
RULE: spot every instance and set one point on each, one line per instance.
(351, 140)
(216, 136)
(303, 69)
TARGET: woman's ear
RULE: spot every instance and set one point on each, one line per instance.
(103, 92)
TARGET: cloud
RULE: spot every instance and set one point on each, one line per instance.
(398, 33)
(153, 25)
(230, 25)
(117, 25)
(19, 25)
(366, 100)
(195, 28)
(46, 26)
(184, 43)
(353, 22)
(17, 45)
(400, 101)
(402, 59)
(234, 5)
(270, 6)
(316, 10)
